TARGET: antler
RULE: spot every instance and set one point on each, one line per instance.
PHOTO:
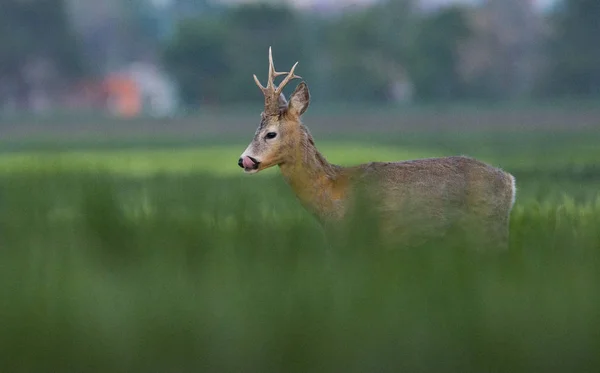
(271, 91)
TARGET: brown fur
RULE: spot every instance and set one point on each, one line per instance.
(414, 199)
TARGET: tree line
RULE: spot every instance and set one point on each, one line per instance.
(391, 51)
(358, 56)
(386, 52)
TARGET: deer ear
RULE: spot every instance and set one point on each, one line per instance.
(282, 101)
(299, 100)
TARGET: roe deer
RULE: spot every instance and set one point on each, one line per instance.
(416, 197)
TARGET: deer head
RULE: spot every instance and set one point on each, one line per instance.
(279, 131)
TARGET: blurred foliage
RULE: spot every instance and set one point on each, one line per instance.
(376, 47)
(390, 51)
(435, 55)
(198, 59)
(574, 50)
(195, 273)
(364, 47)
(251, 30)
(36, 39)
(211, 55)
(360, 55)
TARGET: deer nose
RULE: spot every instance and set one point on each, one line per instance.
(241, 162)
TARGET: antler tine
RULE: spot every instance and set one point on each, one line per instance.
(287, 79)
(270, 82)
(258, 84)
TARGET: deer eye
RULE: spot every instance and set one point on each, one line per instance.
(271, 135)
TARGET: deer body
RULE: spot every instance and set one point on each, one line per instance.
(416, 198)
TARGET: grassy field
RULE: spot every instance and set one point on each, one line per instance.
(161, 257)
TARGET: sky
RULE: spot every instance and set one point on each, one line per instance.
(540, 4)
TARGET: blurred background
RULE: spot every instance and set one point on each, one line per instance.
(167, 57)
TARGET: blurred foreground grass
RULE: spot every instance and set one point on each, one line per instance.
(187, 271)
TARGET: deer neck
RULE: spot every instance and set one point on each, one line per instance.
(318, 184)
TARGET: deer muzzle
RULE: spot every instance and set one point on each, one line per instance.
(248, 163)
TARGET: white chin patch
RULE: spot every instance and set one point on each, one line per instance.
(250, 171)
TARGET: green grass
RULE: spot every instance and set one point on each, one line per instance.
(170, 260)
(215, 159)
